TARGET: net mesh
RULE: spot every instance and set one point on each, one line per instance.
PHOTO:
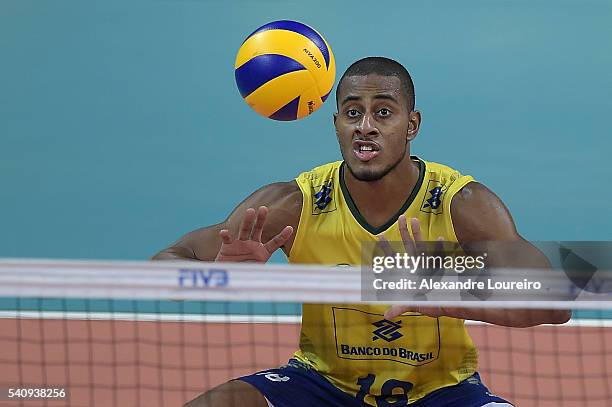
(159, 334)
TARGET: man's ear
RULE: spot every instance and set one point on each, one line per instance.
(414, 123)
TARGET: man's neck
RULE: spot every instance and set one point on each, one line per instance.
(377, 201)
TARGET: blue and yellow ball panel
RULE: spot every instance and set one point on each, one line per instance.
(299, 28)
(285, 70)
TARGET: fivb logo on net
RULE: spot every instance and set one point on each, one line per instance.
(202, 278)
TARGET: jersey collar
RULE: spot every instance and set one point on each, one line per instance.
(359, 217)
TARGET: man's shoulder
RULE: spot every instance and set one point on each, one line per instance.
(278, 190)
(323, 168)
(479, 214)
(450, 180)
(441, 169)
(276, 195)
(320, 172)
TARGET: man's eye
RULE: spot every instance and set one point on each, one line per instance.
(384, 112)
(352, 113)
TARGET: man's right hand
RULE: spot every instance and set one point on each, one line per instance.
(248, 246)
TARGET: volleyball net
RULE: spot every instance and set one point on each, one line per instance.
(160, 333)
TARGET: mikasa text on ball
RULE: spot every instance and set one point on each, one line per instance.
(285, 70)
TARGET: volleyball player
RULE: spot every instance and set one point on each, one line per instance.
(424, 358)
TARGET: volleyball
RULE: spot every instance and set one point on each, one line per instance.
(285, 70)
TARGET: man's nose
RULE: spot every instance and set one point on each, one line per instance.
(366, 125)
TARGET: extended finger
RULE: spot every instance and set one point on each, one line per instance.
(416, 230)
(225, 236)
(385, 246)
(262, 213)
(277, 241)
(406, 238)
(433, 312)
(396, 310)
(247, 224)
(440, 245)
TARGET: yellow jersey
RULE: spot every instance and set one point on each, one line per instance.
(353, 345)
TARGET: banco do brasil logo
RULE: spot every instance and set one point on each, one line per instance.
(387, 330)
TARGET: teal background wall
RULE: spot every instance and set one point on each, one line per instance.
(121, 127)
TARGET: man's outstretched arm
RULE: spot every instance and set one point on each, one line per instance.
(479, 216)
(261, 224)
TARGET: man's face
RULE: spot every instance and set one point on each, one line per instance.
(373, 125)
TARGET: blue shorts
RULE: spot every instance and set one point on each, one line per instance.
(296, 385)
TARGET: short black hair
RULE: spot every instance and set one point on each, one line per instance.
(384, 67)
